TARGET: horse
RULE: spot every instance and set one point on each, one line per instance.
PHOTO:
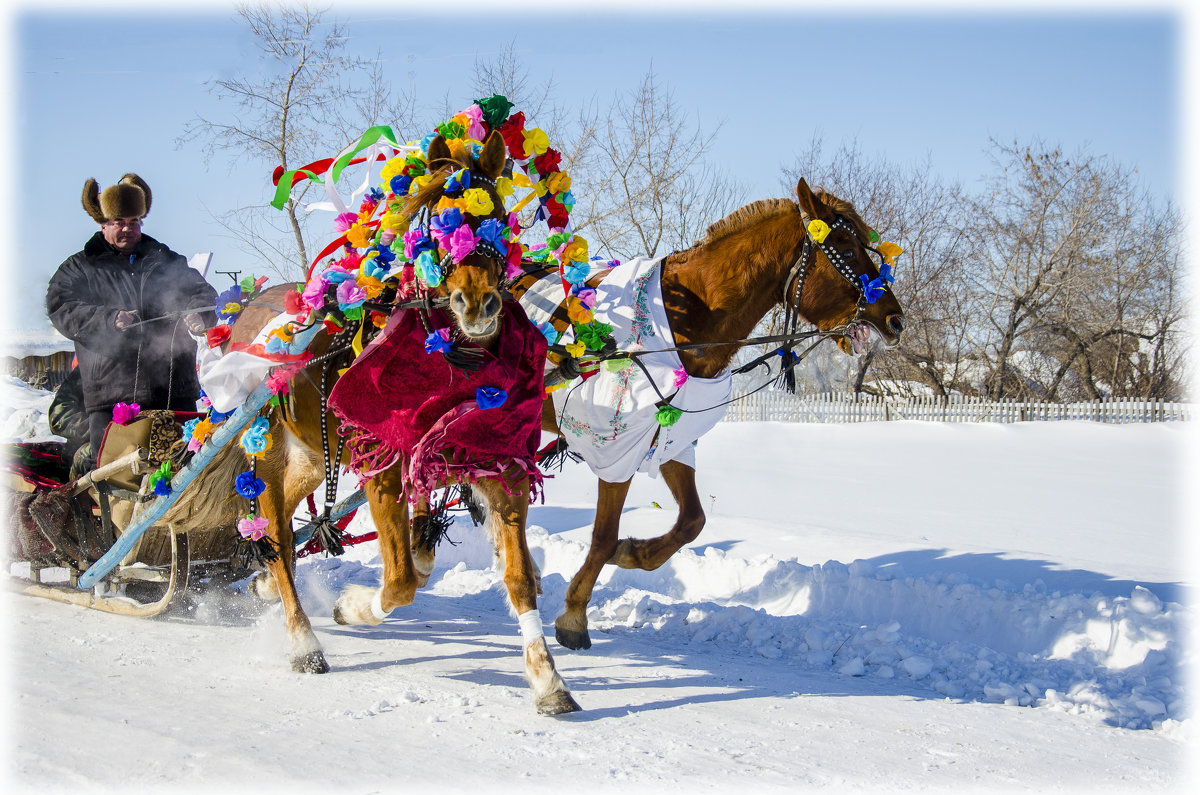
(715, 293)
(295, 463)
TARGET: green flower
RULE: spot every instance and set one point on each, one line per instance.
(668, 415)
(593, 334)
(495, 109)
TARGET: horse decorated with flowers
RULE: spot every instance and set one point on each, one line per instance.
(444, 384)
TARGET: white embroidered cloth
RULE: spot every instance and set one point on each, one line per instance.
(228, 379)
(609, 419)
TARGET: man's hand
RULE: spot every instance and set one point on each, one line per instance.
(126, 318)
(195, 324)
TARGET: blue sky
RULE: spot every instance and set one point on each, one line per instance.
(99, 94)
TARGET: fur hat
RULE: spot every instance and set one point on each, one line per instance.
(129, 198)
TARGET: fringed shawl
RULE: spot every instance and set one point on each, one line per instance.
(401, 406)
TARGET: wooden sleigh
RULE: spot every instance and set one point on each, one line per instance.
(138, 552)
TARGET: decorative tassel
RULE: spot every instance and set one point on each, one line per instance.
(555, 455)
(330, 537)
(788, 369)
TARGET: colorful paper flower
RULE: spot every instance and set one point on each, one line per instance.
(438, 341)
(255, 439)
(462, 243)
(459, 180)
(478, 201)
(668, 415)
(124, 412)
(217, 335)
(889, 252)
(818, 230)
(490, 397)
(252, 527)
(248, 485)
(495, 109)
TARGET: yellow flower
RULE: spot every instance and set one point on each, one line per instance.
(391, 169)
(232, 307)
(418, 184)
(536, 141)
(358, 236)
(576, 349)
(576, 250)
(478, 202)
(446, 203)
(578, 312)
(393, 221)
(371, 286)
(504, 186)
(202, 430)
(818, 230)
(558, 182)
(889, 252)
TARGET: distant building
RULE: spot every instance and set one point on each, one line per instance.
(39, 357)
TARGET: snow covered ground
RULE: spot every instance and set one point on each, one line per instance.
(883, 606)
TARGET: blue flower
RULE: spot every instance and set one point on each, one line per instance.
(490, 397)
(438, 341)
(548, 331)
(248, 486)
(400, 184)
(446, 221)
(428, 269)
(576, 272)
(162, 487)
(459, 180)
(375, 194)
(492, 231)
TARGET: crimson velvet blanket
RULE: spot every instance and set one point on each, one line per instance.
(401, 406)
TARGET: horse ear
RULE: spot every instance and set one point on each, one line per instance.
(438, 150)
(494, 156)
(809, 203)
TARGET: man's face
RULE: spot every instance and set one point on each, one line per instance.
(122, 234)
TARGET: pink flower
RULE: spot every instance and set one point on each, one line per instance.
(194, 445)
(314, 292)
(253, 527)
(461, 243)
(475, 114)
(587, 297)
(344, 221)
(681, 377)
(124, 412)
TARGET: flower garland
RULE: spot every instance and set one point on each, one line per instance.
(378, 251)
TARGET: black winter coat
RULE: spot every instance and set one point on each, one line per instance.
(153, 365)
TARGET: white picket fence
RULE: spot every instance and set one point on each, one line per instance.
(842, 407)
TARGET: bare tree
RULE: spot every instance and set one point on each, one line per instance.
(648, 188)
(1077, 279)
(311, 98)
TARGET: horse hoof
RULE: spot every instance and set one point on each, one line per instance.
(572, 639)
(559, 703)
(354, 606)
(311, 663)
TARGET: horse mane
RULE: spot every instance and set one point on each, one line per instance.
(752, 213)
(744, 217)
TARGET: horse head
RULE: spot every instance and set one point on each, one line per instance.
(467, 217)
(843, 289)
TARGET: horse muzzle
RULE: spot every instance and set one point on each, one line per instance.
(478, 317)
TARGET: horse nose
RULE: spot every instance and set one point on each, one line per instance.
(895, 323)
(491, 305)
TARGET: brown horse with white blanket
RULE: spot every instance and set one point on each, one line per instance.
(812, 256)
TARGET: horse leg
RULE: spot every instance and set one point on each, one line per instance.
(423, 547)
(286, 486)
(570, 628)
(359, 604)
(507, 514)
(650, 553)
